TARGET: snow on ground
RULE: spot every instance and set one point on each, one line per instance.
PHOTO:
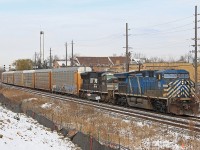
(46, 105)
(21, 132)
(30, 99)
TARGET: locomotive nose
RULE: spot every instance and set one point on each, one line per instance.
(184, 90)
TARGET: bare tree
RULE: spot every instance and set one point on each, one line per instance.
(138, 55)
(182, 58)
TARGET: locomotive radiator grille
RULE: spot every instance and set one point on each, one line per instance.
(180, 88)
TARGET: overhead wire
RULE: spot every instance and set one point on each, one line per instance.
(162, 33)
(162, 46)
(164, 23)
(116, 36)
(120, 35)
(166, 33)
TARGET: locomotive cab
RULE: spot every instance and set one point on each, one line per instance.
(168, 91)
(175, 83)
(178, 89)
(90, 86)
(98, 86)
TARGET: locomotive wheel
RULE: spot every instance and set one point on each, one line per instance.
(84, 95)
(103, 97)
(122, 101)
(81, 94)
(159, 106)
(106, 99)
(113, 101)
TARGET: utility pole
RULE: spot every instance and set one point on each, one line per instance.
(66, 52)
(40, 46)
(72, 61)
(35, 60)
(50, 61)
(127, 54)
(43, 46)
(195, 58)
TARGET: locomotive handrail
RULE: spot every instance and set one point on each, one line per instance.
(139, 85)
(130, 85)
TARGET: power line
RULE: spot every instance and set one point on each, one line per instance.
(115, 36)
(169, 43)
(159, 47)
(167, 22)
(161, 32)
(180, 26)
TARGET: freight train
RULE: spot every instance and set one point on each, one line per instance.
(168, 91)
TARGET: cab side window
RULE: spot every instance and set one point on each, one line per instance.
(159, 76)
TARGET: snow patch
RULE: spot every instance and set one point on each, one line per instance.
(46, 105)
(25, 133)
(29, 99)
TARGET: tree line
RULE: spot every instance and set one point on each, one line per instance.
(35, 63)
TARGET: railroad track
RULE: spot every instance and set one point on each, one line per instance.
(175, 121)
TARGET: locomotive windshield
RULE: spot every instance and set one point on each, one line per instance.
(173, 76)
(110, 77)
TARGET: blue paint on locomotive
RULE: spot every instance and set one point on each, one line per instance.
(164, 77)
(148, 81)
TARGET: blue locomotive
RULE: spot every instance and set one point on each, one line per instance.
(169, 91)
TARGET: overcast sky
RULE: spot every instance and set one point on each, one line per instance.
(161, 28)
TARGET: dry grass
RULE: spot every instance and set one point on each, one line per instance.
(14, 95)
(97, 123)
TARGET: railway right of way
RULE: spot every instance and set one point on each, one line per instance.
(183, 122)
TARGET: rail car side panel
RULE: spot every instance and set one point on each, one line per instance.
(18, 78)
(29, 78)
(10, 77)
(67, 80)
(63, 81)
(4, 77)
(43, 79)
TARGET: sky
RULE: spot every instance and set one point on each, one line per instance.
(158, 28)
